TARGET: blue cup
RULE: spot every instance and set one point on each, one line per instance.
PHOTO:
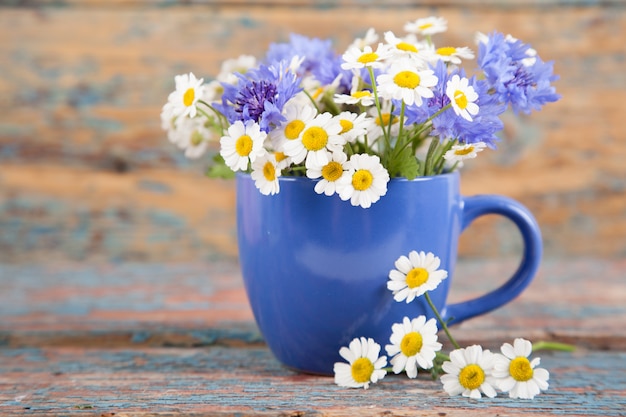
(316, 268)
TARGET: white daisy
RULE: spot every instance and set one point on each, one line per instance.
(239, 65)
(188, 91)
(353, 125)
(462, 97)
(384, 120)
(213, 92)
(464, 151)
(362, 97)
(356, 58)
(365, 182)
(414, 275)
(370, 38)
(193, 137)
(282, 160)
(413, 343)
(357, 94)
(189, 134)
(469, 373)
(316, 138)
(316, 90)
(454, 55)
(297, 115)
(408, 46)
(329, 173)
(517, 375)
(242, 144)
(265, 173)
(405, 81)
(364, 365)
(427, 26)
(167, 117)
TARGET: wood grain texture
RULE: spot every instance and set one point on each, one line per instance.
(202, 304)
(86, 172)
(249, 382)
(145, 339)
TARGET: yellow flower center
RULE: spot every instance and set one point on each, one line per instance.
(407, 47)
(361, 94)
(362, 370)
(314, 138)
(368, 58)
(464, 151)
(280, 156)
(243, 146)
(332, 171)
(472, 376)
(446, 50)
(346, 126)
(196, 138)
(385, 118)
(293, 129)
(460, 99)
(362, 180)
(317, 92)
(411, 344)
(188, 97)
(269, 172)
(416, 277)
(425, 26)
(407, 79)
(520, 369)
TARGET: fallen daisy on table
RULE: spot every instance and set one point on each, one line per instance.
(413, 343)
(516, 374)
(364, 365)
(469, 373)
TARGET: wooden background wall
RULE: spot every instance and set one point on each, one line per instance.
(86, 172)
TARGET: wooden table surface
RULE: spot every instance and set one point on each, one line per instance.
(144, 339)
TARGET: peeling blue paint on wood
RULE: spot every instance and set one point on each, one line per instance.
(179, 381)
(97, 89)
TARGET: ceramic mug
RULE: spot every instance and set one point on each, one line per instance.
(316, 268)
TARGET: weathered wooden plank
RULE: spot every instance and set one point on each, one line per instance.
(81, 88)
(248, 381)
(202, 304)
(52, 212)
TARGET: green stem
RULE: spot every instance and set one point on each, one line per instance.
(312, 101)
(330, 104)
(543, 345)
(443, 324)
(399, 147)
(428, 162)
(378, 109)
(439, 161)
(438, 112)
(442, 356)
(220, 117)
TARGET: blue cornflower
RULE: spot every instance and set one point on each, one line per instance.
(516, 76)
(447, 124)
(319, 59)
(260, 95)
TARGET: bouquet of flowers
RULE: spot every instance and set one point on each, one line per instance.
(391, 107)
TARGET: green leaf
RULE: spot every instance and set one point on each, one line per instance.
(218, 169)
(404, 164)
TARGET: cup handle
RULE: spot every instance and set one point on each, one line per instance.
(477, 206)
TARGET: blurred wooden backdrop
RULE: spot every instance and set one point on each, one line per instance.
(86, 172)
